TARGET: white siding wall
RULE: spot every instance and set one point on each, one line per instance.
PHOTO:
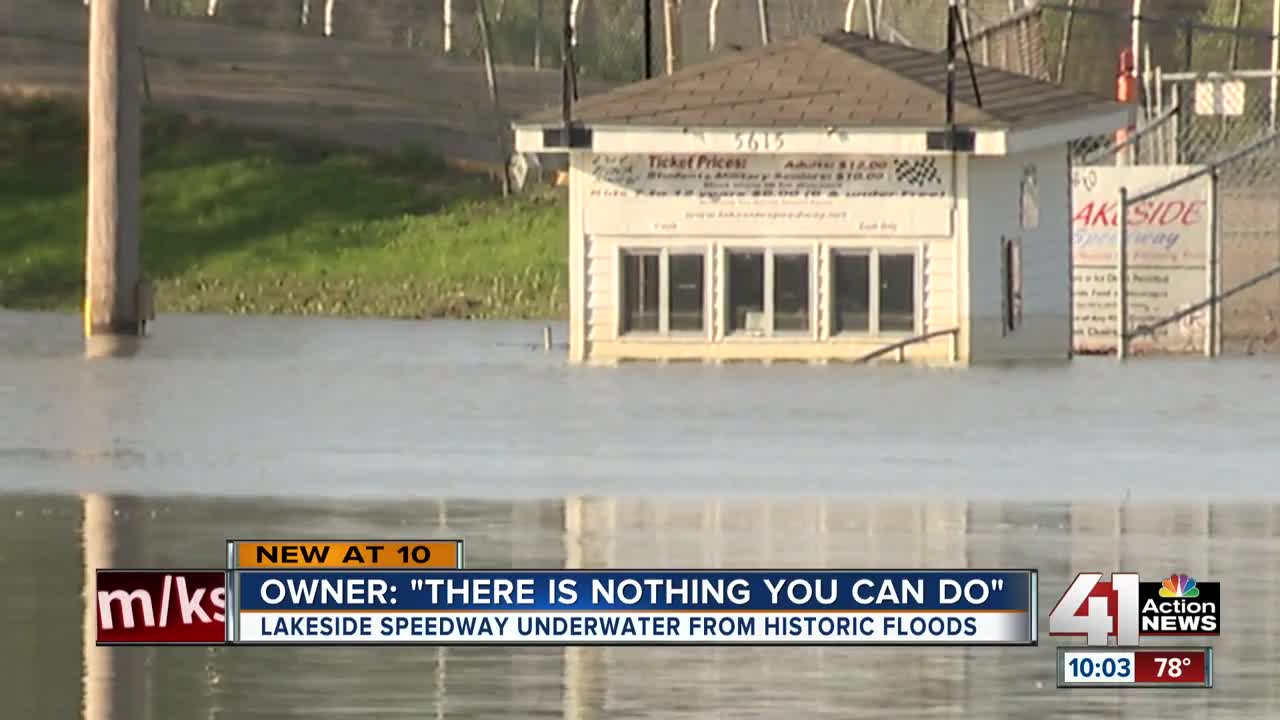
(939, 285)
(597, 290)
(994, 196)
(602, 273)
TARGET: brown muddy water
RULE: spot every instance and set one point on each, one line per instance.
(226, 427)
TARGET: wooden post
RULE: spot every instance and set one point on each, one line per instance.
(115, 678)
(113, 271)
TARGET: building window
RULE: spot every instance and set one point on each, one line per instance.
(640, 291)
(897, 293)
(791, 292)
(768, 292)
(1011, 273)
(746, 292)
(687, 292)
(663, 291)
(851, 293)
(873, 292)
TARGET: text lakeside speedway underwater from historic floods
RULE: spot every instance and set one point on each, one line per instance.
(635, 607)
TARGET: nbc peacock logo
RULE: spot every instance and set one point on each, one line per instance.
(1179, 605)
(1179, 586)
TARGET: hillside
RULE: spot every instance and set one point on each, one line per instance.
(237, 221)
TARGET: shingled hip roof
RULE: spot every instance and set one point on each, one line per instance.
(835, 80)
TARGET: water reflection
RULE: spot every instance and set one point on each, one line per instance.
(49, 544)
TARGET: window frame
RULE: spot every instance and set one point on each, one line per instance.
(1012, 285)
(811, 251)
(873, 253)
(664, 253)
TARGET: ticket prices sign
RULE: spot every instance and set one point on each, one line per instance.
(1168, 258)
(752, 195)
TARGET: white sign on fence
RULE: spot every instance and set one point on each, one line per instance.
(1220, 97)
(796, 195)
(1168, 260)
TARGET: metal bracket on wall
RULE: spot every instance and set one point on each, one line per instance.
(955, 139)
(573, 137)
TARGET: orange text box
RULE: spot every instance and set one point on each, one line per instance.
(310, 554)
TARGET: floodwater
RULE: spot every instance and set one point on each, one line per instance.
(235, 427)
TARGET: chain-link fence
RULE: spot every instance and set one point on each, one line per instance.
(1249, 242)
(1218, 110)
(1084, 38)
(1200, 245)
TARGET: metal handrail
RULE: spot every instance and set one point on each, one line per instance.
(1150, 328)
(901, 344)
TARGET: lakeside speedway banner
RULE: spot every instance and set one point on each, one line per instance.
(358, 593)
(1168, 256)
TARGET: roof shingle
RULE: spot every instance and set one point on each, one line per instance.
(838, 79)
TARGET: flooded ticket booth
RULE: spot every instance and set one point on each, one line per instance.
(809, 201)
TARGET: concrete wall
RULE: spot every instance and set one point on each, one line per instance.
(993, 202)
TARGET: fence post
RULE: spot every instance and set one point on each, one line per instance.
(537, 36)
(1135, 35)
(1275, 58)
(1066, 41)
(1211, 276)
(762, 11)
(1122, 284)
(1189, 47)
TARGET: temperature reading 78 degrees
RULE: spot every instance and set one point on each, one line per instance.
(1171, 667)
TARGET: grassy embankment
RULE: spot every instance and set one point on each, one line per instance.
(247, 222)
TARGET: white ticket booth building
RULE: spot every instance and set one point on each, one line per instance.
(805, 201)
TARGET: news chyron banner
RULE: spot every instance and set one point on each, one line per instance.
(634, 607)
(196, 607)
(416, 592)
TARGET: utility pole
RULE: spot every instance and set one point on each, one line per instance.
(115, 302)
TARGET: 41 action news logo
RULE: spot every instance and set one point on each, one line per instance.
(1125, 608)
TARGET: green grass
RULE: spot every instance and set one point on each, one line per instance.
(241, 222)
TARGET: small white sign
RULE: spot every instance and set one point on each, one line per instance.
(1220, 97)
